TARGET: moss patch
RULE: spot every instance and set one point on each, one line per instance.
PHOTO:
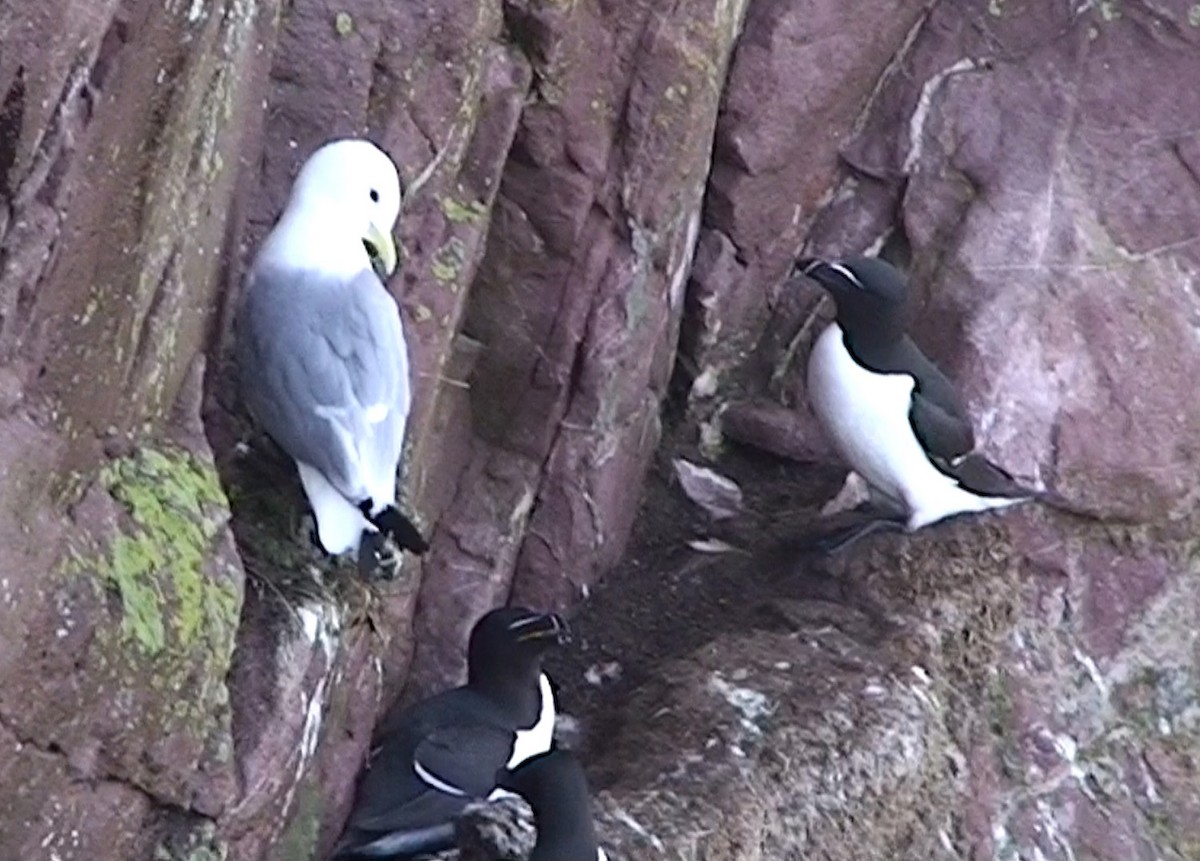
(343, 24)
(298, 842)
(449, 261)
(156, 566)
(1110, 10)
(459, 213)
(165, 623)
(200, 844)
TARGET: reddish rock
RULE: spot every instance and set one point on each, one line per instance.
(800, 79)
(772, 427)
(1043, 253)
(93, 819)
(594, 188)
(119, 135)
(577, 306)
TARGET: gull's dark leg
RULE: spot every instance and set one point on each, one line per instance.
(370, 554)
(378, 556)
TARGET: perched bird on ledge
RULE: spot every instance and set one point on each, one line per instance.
(445, 752)
(321, 351)
(891, 412)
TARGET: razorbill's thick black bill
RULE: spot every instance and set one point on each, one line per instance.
(444, 752)
(555, 786)
(892, 414)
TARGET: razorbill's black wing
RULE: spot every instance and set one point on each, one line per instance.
(940, 423)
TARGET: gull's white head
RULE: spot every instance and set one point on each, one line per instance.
(342, 209)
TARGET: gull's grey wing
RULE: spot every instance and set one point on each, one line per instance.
(324, 368)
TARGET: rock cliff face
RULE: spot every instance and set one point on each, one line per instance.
(605, 201)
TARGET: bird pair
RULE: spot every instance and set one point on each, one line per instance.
(325, 369)
(487, 738)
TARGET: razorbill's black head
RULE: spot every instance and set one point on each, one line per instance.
(555, 786)
(892, 414)
(512, 640)
(871, 295)
(444, 751)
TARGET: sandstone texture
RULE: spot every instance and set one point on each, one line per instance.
(604, 202)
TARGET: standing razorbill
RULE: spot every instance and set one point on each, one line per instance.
(890, 412)
(321, 351)
(445, 751)
(556, 788)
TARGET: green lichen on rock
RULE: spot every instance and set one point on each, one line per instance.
(165, 620)
(175, 505)
(298, 842)
(449, 261)
(199, 844)
(343, 24)
(459, 213)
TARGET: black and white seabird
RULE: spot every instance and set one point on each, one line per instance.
(555, 786)
(444, 752)
(891, 413)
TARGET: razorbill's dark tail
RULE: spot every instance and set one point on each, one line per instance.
(555, 786)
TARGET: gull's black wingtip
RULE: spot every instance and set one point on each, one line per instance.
(402, 530)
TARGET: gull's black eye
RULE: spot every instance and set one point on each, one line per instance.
(374, 196)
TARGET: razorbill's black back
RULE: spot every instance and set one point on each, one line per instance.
(444, 752)
(555, 786)
(892, 414)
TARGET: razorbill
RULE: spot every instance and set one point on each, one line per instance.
(555, 786)
(321, 353)
(891, 413)
(445, 751)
